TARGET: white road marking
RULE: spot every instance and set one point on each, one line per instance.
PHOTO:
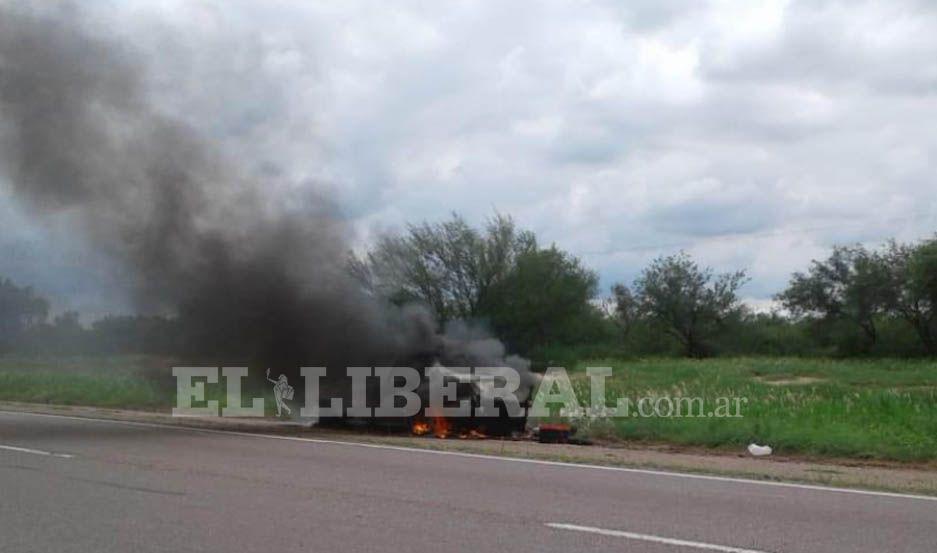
(35, 451)
(652, 472)
(651, 538)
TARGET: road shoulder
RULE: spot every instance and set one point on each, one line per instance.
(891, 477)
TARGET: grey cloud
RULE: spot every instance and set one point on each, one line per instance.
(589, 121)
(712, 217)
(886, 47)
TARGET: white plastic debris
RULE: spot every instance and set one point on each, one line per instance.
(759, 450)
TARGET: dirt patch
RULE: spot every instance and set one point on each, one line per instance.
(790, 381)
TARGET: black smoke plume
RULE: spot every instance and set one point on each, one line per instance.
(253, 275)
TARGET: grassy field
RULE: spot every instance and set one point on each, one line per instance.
(870, 409)
(874, 409)
(99, 381)
(134, 382)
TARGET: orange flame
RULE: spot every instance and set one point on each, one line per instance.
(441, 427)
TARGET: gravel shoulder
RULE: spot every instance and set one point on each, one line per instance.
(917, 478)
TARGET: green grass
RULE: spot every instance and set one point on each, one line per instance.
(80, 388)
(115, 381)
(873, 409)
(870, 409)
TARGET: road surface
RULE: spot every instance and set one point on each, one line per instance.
(78, 485)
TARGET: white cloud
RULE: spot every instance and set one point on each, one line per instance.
(752, 134)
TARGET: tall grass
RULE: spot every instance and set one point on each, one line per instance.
(872, 409)
(879, 409)
(115, 381)
(41, 386)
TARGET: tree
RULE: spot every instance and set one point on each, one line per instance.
(20, 310)
(449, 265)
(690, 303)
(65, 334)
(853, 284)
(912, 274)
(134, 334)
(622, 309)
(544, 300)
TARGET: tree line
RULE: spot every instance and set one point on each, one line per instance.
(856, 302)
(868, 289)
(27, 326)
(545, 304)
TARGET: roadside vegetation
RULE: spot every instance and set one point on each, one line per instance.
(134, 382)
(845, 366)
(871, 409)
(883, 409)
(544, 302)
(113, 381)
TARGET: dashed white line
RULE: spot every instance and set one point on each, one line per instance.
(651, 538)
(35, 451)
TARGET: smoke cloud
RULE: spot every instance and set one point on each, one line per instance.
(253, 274)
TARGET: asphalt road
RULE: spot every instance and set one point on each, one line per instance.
(73, 485)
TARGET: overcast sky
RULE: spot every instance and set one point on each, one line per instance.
(751, 134)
